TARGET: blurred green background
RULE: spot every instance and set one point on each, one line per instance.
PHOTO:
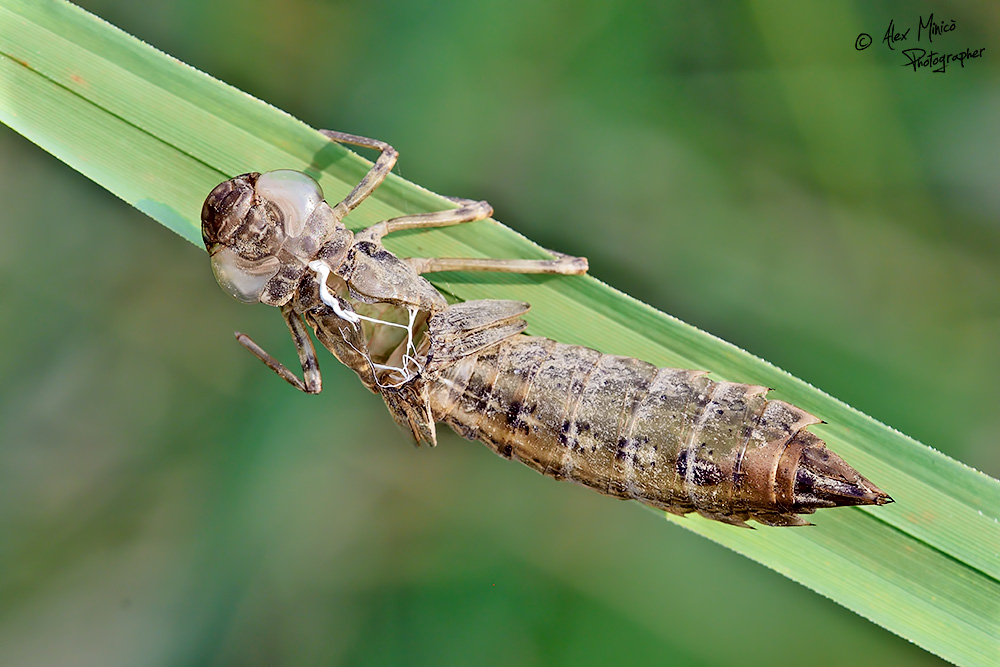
(165, 500)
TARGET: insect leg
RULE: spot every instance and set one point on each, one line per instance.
(312, 381)
(383, 165)
(565, 265)
(468, 211)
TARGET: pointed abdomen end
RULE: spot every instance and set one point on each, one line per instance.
(823, 479)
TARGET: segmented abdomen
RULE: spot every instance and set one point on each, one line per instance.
(670, 438)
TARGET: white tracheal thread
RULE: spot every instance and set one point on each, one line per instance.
(407, 372)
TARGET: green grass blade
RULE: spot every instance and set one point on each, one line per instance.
(160, 135)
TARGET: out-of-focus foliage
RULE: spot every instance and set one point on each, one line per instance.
(166, 500)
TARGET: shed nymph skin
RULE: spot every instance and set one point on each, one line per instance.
(670, 438)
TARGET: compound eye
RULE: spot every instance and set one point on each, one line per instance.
(225, 207)
(294, 194)
(243, 279)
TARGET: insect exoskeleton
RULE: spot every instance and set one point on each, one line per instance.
(670, 438)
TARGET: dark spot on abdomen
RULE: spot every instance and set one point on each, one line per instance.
(705, 472)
